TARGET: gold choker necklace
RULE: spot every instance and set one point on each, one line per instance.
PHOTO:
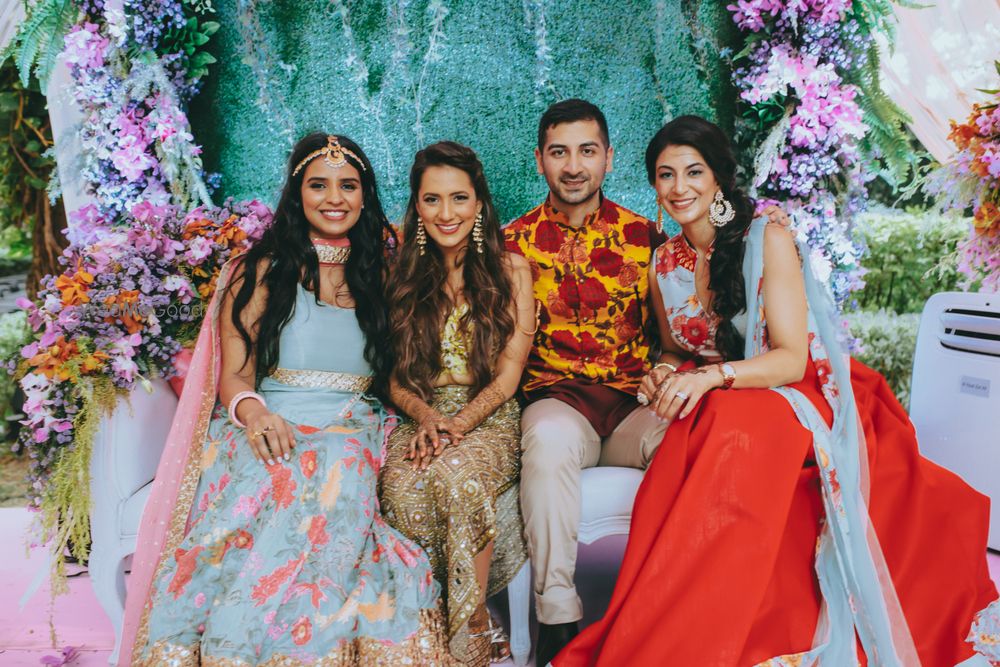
(329, 254)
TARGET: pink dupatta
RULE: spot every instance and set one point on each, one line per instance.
(165, 518)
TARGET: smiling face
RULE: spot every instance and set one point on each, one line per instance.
(332, 199)
(574, 161)
(685, 186)
(448, 206)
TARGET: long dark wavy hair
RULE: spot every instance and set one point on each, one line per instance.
(290, 259)
(726, 269)
(420, 303)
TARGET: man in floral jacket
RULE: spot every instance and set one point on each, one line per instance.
(589, 259)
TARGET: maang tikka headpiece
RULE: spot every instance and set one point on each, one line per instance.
(333, 155)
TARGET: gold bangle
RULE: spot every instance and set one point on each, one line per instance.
(673, 369)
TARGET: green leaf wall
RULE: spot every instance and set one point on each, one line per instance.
(641, 62)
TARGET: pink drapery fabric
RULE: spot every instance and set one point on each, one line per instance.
(154, 529)
(943, 53)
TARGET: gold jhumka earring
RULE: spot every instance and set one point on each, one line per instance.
(421, 237)
(477, 232)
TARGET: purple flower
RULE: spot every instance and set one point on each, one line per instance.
(69, 655)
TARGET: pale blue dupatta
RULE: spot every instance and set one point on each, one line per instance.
(857, 590)
(858, 594)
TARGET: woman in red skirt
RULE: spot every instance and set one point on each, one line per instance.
(789, 520)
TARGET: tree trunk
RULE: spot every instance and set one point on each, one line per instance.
(48, 242)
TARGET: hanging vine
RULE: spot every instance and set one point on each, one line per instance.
(258, 56)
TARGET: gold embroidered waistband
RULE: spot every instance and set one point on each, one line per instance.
(323, 379)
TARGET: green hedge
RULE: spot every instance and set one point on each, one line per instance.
(888, 341)
(14, 333)
(911, 256)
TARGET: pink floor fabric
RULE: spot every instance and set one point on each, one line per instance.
(24, 635)
(80, 621)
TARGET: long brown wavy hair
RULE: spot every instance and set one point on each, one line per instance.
(419, 302)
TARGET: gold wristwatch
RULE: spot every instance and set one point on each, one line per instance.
(728, 375)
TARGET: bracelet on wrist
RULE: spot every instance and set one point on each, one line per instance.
(236, 401)
(666, 364)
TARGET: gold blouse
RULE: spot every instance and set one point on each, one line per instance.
(455, 343)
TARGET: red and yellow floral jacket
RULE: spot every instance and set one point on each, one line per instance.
(592, 283)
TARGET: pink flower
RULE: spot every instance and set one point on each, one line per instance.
(246, 506)
(131, 158)
(198, 249)
(86, 48)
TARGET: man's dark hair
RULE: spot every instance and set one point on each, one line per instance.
(570, 111)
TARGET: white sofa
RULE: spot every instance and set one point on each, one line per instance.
(607, 497)
(127, 449)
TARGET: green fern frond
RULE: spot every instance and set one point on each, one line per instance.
(55, 46)
(887, 137)
(39, 39)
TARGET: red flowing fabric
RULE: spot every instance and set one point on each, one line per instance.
(719, 567)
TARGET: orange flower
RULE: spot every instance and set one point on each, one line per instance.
(962, 135)
(987, 218)
(53, 361)
(629, 275)
(230, 234)
(573, 251)
(124, 308)
(557, 306)
(317, 531)
(282, 484)
(241, 539)
(199, 227)
(73, 289)
(625, 329)
(270, 584)
(186, 561)
(308, 463)
(302, 631)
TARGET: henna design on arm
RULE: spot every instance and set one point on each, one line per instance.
(480, 407)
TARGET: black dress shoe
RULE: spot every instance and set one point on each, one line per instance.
(552, 639)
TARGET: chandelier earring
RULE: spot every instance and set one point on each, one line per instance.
(421, 236)
(477, 233)
(720, 211)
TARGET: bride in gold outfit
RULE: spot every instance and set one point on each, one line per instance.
(462, 319)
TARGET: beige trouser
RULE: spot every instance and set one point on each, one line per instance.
(557, 442)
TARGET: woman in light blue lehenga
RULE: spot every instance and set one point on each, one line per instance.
(274, 551)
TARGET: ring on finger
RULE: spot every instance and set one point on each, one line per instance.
(682, 395)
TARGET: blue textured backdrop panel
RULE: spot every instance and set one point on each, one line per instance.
(494, 69)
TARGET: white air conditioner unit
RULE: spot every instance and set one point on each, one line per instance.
(955, 394)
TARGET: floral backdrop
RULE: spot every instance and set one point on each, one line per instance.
(808, 115)
(143, 256)
(972, 180)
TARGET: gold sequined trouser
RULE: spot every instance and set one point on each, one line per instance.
(467, 497)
